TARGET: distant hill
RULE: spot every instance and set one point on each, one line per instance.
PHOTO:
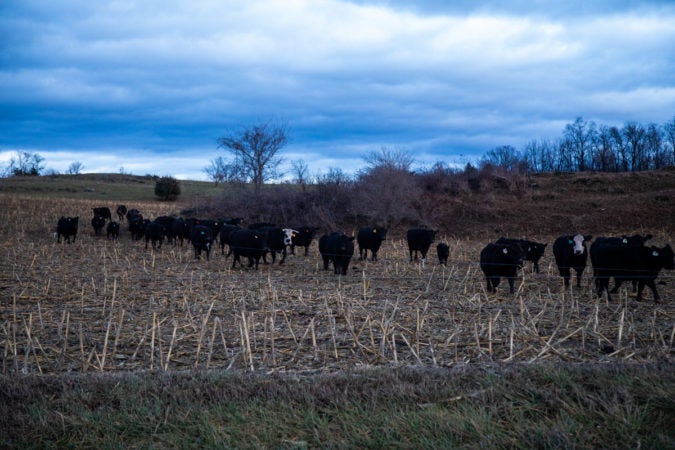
(539, 204)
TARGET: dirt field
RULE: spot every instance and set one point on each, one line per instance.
(99, 305)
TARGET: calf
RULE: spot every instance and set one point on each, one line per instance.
(67, 227)
(303, 238)
(202, 239)
(570, 253)
(631, 262)
(370, 238)
(121, 212)
(533, 251)
(97, 222)
(443, 252)
(103, 211)
(154, 232)
(113, 230)
(337, 248)
(501, 260)
(420, 239)
(249, 243)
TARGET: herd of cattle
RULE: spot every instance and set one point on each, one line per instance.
(625, 258)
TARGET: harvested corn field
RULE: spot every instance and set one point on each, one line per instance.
(103, 305)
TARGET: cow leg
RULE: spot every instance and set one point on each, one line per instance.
(283, 256)
(325, 262)
(579, 272)
(306, 250)
(511, 284)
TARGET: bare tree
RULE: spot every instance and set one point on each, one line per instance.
(255, 150)
(75, 168)
(580, 137)
(300, 172)
(634, 135)
(26, 163)
(669, 137)
(392, 158)
(221, 171)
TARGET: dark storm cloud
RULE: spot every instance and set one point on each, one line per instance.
(161, 80)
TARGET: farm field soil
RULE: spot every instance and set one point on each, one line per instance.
(101, 308)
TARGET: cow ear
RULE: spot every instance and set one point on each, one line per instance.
(655, 253)
(505, 251)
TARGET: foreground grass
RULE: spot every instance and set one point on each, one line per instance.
(520, 405)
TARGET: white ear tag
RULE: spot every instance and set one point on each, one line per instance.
(505, 251)
(655, 253)
(625, 241)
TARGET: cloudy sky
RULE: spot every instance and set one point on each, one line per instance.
(149, 85)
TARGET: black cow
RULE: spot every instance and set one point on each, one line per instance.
(154, 232)
(337, 248)
(97, 222)
(443, 252)
(133, 213)
(249, 243)
(570, 253)
(419, 240)
(214, 224)
(180, 230)
(631, 262)
(303, 238)
(202, 238)
(67, 227)
(136, 226)
(636, 239)
(121, 212)
(113, 230)
(103, 211)
(225, 233)
(277, 241)
(167, 223)
(370, 238)
(501, 260)
(533, 251)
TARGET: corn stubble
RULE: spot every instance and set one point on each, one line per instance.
(100, 305)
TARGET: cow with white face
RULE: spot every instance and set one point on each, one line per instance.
(277, 241)
(570, 253)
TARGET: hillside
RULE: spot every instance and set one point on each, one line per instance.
(540, 204)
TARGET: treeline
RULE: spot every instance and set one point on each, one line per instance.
(584, 146)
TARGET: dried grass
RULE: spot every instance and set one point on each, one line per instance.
(99, 305)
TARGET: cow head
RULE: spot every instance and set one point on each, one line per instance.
(577, 242)
(289, 234)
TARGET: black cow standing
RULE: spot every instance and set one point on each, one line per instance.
(167, 224)
(533, 251)
(251, 244)
(136, 226)
(570, 253)
(443, 252)
(97, 222)
(632, 262)
(419, 239)
(225, 237)
(202, 239)
(337, 248)
(154, 233)
(104, 212)
(180, 230)
(370, 238)
(303, 238)
(501, 260)
(113, 230)
(635, 240)
(121, 212)
(67, 227)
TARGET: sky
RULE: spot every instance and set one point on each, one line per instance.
(147, 87)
